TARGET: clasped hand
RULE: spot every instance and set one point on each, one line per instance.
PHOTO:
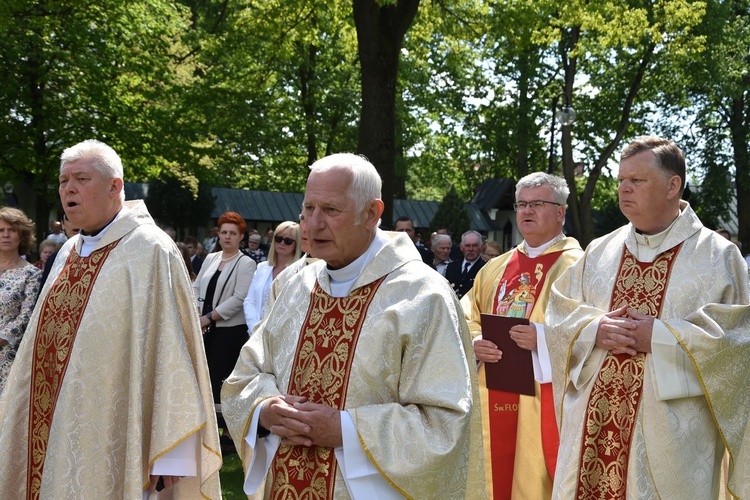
(625, 331)
(299, 422)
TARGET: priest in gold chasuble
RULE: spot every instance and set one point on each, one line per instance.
(110, 388)
(358, 383)
(648, 337)
(520, 431)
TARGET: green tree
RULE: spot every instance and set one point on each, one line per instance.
(171, 202)
(710, 113)
(452, 213)
(620, 41)
(76, 70)
(381, 27)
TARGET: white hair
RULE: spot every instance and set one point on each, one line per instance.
(559, 186)
(365, 185)
(439, 238)
(103, 158)
(469, 233)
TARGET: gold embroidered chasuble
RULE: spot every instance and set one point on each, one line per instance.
(325, 351)
(616, 395)
(529, 474)
(411, 388)
(691, 405)
(111, 374)
(59, 319)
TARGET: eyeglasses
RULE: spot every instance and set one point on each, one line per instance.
(534, 204)
(287, 241)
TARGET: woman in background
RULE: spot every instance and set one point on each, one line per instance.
(46, 249)
(220, 288)
(490, 250)
(19, 284)
(285, 249)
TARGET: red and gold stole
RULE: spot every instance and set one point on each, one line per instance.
(58, 323)
(521, 284)
(616, 395)
(322, 364)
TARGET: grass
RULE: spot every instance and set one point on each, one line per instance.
(232, 478)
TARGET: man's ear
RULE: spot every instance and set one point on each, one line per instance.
(117, 186)
(673, 187)
(373, 213)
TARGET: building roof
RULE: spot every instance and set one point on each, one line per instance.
(257, 205)
(269, 206)
(495, 193)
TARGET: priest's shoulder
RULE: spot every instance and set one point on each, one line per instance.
(617, 237)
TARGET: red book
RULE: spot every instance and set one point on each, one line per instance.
(515, 371)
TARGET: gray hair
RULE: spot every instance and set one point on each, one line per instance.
(438, 238)
(560, 190)
(366, 184)
(103, 158)
(470, 232)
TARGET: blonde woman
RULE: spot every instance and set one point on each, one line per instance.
(285, 249)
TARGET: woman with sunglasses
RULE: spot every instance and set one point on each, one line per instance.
(285, 249)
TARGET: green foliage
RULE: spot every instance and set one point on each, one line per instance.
(279, 88)
(76, 70)
(452, 213)
(171, 202)
(241, 93)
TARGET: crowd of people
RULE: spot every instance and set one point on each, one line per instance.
(342, 360)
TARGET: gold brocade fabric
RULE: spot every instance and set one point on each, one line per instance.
(325, 351)
(131, 387)
(611, 415)
(614, 400)
(411, 392)
(694, 402)
(59, 319)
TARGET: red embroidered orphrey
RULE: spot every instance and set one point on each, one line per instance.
(322, 364)
(57, 327)
(615, 397)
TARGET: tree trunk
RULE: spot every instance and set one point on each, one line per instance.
(524, 114)
(567, 44)
(380, 34)
(306, 80)
(739, 123)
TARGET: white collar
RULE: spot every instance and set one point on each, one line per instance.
(534, 252)
(89, 243)
(342, 280)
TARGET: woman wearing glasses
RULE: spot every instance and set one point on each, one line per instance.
(285, 249)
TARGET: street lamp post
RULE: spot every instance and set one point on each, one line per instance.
(566, 115)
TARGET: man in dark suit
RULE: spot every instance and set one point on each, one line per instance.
(404, 224)
(191, 242)
(460, 274)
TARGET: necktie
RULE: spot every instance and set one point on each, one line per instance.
(466, 268)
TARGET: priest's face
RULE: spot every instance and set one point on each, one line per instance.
(336, 232)
(90, 201)
(648, 196)
(542, 224)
